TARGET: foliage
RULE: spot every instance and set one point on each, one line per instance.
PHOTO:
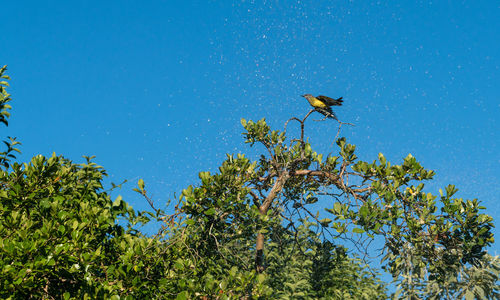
(4, 96)
(227, 222)
(429, 248)
(57, 230)
(7, 155)
(251, 230)
(427, 243)
(315, 269)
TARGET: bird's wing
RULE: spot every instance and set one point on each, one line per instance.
(330, 101)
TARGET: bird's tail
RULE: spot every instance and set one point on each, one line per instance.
(338, 102)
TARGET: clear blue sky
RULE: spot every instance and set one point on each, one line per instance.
(156, 89)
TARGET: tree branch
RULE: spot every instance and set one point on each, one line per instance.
(277, 187)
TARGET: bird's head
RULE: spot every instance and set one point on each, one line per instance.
(307, 96)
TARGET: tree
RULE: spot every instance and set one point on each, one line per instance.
(250, 230)
(430, 247)
(59, 236)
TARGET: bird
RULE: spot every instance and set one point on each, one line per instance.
(323, 104)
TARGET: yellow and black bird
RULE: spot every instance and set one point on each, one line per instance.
(323, 104)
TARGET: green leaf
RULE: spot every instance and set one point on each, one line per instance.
(140, 184)
(182, 295)
(324, 222)
(469, 295)
(337, 207)
(382, 159)
(118, 201)
(358, 230)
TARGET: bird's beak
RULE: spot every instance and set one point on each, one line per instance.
(303, 96)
